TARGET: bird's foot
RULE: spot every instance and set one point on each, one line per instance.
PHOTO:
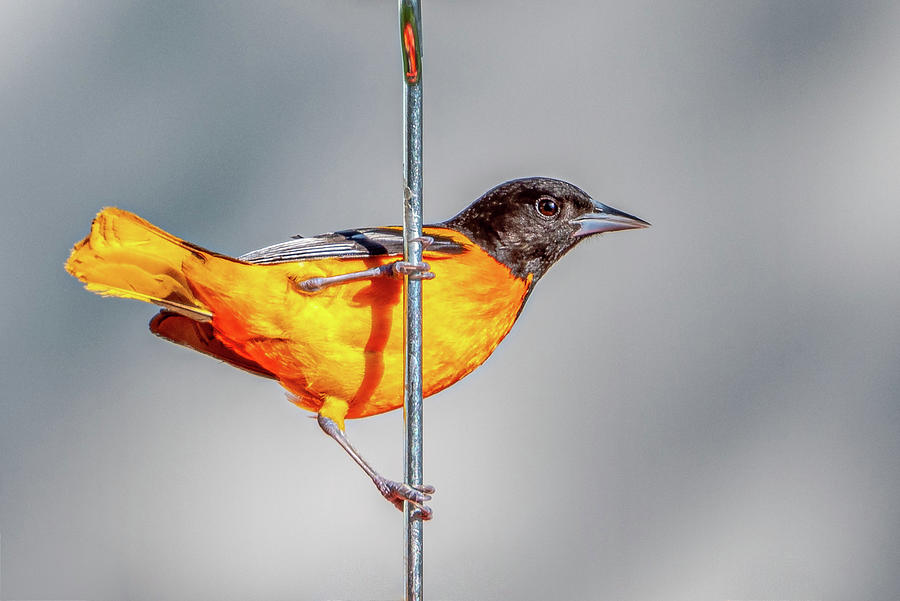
(415, 271)
(400, 492)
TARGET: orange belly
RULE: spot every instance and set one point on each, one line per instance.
(345, 342)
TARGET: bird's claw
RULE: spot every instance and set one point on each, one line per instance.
(425, 241)
(399, 492)
(416, 271)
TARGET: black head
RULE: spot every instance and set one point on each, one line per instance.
(528, 224)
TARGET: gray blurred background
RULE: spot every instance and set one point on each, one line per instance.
(708, 409)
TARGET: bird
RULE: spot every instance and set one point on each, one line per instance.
(323, 315)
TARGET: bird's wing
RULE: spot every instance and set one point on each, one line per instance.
(364, 242)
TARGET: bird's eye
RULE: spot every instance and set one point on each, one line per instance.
(547, 207)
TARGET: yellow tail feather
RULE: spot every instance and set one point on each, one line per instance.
(128, 257)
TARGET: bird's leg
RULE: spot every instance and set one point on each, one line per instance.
(416, 271)
(395, 492)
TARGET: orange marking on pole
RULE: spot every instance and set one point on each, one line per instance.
(409, 45)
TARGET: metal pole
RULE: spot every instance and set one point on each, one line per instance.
(411, 46)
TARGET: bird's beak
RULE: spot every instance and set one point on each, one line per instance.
(606, 219)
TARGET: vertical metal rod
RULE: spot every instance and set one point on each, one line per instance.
(411, 47)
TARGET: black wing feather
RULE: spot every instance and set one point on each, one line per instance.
(364, 242)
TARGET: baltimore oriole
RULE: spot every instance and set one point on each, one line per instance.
(338, 349)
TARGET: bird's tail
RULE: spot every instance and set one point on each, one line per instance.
(128, 257)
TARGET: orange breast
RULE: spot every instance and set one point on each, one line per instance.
(345, 342)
